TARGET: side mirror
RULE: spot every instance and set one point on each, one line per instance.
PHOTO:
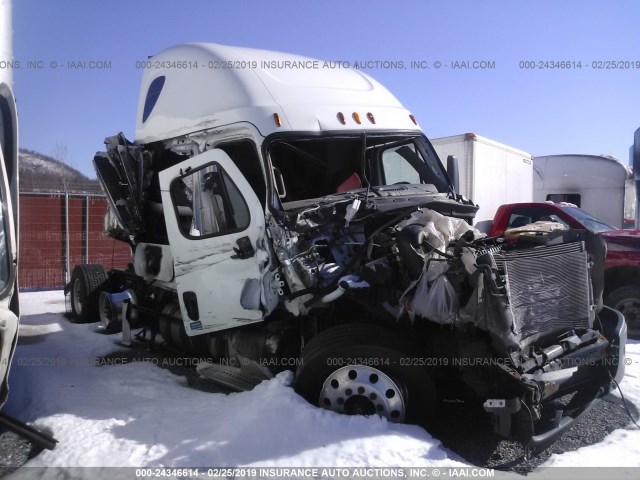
(453, 172)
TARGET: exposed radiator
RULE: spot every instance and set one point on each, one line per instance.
(549, 288)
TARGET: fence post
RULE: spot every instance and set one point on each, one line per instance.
(86, 229)
(66, 243)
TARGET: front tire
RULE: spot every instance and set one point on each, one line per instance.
(365, 369)
(87, 282)
(626, 300)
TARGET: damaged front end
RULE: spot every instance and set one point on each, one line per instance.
(559, 349)
(551, 349)
(520, 324)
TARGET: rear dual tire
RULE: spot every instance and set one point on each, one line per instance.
(87, 282)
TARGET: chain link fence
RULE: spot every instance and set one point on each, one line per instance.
(59, 231)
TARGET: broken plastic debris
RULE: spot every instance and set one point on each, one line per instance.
(352, 210)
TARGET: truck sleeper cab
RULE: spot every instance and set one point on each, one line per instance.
(301, 217)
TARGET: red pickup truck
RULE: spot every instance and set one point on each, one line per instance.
(622, 264)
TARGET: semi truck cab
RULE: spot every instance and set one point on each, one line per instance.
(282, 212)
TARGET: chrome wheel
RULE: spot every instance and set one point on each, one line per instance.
(390, 389)
(363, 390)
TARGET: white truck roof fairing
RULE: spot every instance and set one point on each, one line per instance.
(208, 85)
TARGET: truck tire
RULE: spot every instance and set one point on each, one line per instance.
(87, 282)
(365, 369)
(626, 300)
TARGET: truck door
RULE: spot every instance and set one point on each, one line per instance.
(215, 224)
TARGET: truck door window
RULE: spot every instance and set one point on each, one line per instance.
(208, 203)
(245, 157)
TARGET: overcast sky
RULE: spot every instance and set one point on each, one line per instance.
(583, 109)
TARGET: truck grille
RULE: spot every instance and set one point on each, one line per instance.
(549, 288)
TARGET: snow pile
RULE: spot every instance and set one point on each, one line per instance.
(141, 415)
(138, 414)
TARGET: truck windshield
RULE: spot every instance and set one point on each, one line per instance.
(308, 168)
(589, 221)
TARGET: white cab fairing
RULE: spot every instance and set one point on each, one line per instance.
(222, 85)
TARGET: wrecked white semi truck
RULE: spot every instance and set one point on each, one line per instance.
(283, 212)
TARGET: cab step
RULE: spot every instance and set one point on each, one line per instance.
(233, 378)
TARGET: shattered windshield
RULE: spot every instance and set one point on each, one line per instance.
(308, 168)
(592, 223)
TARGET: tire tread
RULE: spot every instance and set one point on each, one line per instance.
(94, 278)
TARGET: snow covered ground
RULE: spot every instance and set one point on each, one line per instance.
(137, 414)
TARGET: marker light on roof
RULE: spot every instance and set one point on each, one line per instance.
(276, 119)
(356, 117)
(413, 119)
(341, 118)
(371, 118)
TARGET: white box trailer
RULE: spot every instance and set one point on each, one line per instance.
(490, 173)
(595, 183)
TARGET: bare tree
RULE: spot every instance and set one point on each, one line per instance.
(61, 153)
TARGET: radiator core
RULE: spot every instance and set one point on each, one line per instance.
(549, 288)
